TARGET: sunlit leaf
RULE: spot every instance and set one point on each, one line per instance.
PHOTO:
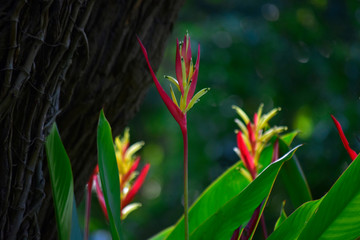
(293, 225)
(239, 209)
(289, 137)
(335, 216)
(220, 222)
(338, 214)
(162, 235)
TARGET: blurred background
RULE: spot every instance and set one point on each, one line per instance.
(302, 56)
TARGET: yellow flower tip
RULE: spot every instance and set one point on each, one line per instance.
(126, 137)
(266, 118)
(246, 174)
(117, 143)
(133, 149)
(260, 110)
(242, 114)
(128, 209)
(242, 127)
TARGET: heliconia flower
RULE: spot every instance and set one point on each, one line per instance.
(345, 142)
(130, 181)
(252, 137)
(187, 75)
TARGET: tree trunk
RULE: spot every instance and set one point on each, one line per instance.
(64, 60)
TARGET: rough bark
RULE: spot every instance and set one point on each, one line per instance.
(64, 60)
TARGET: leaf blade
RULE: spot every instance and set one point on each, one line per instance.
(62, 185)
(343, 221)
(293, 225)
(222, 224)
(162, 235)
(109, 175)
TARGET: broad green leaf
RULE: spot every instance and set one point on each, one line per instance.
(289, 137)
(338, 215)
(224, 188)
(291, 228)
(294, 179)
(282, 217)
(109, 175)
(240, 208)
(61, 182)
(75, 226)
(162, 235)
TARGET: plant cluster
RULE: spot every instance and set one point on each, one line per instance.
(232, 206)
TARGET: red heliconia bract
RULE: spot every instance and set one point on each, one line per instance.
(345, 142)
(246, 156)
(175, 111)
(135, 187)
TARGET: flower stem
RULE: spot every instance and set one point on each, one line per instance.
(186, 188)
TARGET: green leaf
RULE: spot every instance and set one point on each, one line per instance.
(293, 225)
(289, 137)
(109, 175)
(282, 217)
(338, 214)
(224, 188)
(294, 179)
(162, 235)
(239, 209)
(223, 207)
(61, 182)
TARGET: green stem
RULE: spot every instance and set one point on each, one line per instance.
(186, 188)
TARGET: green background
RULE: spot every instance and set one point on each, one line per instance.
(302, 56)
